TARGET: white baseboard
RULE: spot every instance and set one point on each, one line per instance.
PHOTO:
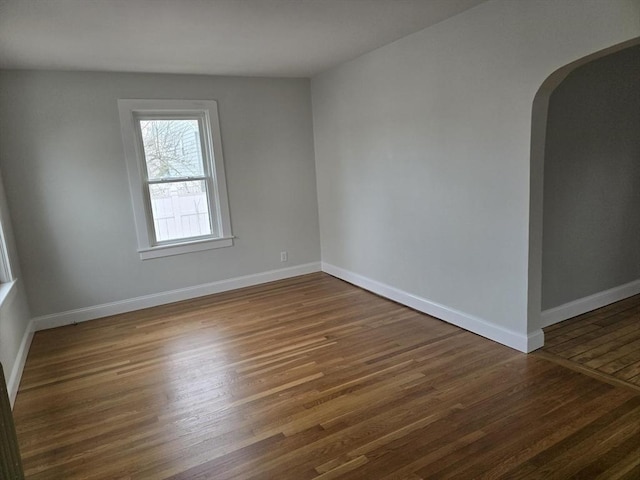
(518, 341)
(114, 308)
(18, 367)
(586, 304)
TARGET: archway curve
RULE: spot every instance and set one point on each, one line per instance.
(539, 115)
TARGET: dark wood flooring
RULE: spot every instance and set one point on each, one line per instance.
(310, 378)
(604, 342)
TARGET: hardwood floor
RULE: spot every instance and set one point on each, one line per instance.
(604, 342)
(309, 378)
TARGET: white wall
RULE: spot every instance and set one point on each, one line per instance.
(423, 154)
(592, 181)
(62, 157)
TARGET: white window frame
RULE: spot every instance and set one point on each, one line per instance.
(6, 275)
(7, 279)
(131, 111)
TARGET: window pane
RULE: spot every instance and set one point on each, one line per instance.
(172, 148)
(180, 210)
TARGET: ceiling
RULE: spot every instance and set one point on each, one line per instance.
(283, 38)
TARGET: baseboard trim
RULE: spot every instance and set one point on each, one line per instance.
(515, 340)
(114, 308)
(18, 367)
(583, 305)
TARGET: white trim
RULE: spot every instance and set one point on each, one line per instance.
(518, 341)
(535, 340)
(13, 383)
(583, 305)
(98, 311)
(7, 290)
(6, 275)
(213, 163)
(6, 272)
(184, 247)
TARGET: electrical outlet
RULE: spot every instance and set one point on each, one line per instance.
(283, 256)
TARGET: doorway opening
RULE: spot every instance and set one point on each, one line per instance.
(585, 205)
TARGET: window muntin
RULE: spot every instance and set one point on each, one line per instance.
(176, 175)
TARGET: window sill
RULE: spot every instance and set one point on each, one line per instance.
(7, 290)
(185, 247)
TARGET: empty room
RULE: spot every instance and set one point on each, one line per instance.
(319, 239)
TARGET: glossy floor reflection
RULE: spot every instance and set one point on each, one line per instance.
(309, 378)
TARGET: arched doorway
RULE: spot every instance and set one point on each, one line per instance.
(540, 112)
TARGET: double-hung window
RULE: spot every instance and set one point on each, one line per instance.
(176, 175)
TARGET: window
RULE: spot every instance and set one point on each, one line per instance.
(7, 279)
(176, 175)
(5, 268)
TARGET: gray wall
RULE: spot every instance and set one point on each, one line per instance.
(423, 150)
(591, 233)
(62, 157)
(14, 312)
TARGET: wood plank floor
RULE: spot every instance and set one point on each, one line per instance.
(309, 378)
(604, 342)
